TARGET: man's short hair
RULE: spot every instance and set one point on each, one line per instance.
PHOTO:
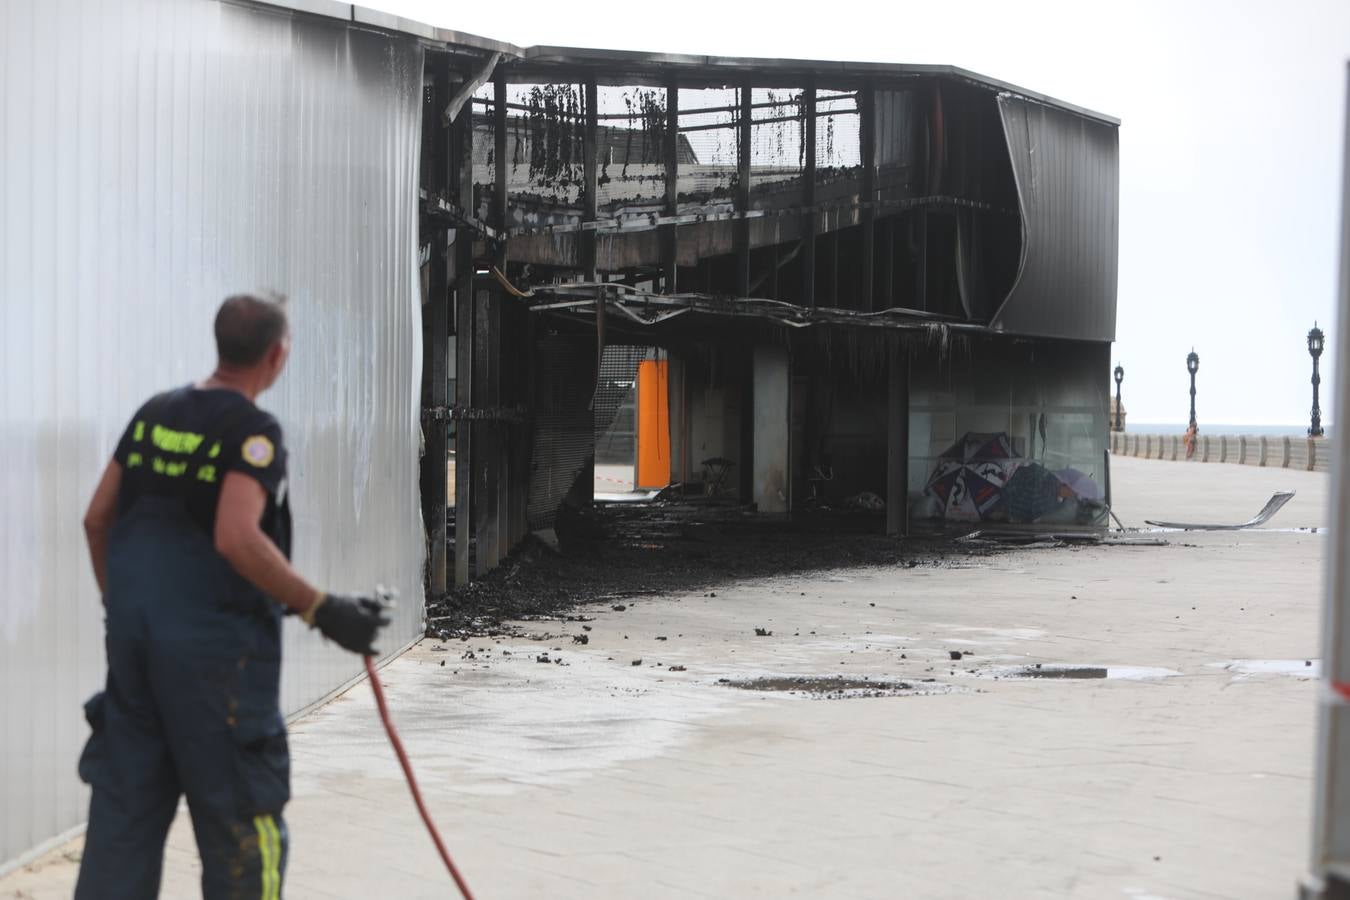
(247, 325)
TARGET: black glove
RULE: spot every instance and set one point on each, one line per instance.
(350, 622)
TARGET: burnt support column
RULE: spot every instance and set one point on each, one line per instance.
(770, 412)
(488, 334)
(867, 109)
(743, 131)
(919, 232)
(888, 263)
(897, 444)
(671, 152)
(499, 184)
(464, 349)
(809, 197)
(437, 388)
(834, 266)
(486, 468)
(501, 431)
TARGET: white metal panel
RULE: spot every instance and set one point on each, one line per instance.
(158, 155)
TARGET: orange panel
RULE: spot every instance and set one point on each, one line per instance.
(653, 437)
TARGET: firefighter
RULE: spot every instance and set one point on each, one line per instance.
(189, 535)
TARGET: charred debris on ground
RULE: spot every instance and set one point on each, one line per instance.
(615, 552)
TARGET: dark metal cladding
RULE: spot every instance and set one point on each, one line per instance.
(1067, 169)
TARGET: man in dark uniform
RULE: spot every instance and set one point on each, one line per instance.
(189, 534)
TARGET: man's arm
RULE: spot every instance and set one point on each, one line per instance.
(241, 540)
(98, 520)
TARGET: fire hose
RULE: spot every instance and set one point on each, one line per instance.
(412, 781)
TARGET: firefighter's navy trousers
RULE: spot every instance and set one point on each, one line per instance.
(190, 708)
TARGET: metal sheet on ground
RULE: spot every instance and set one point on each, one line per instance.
(1273, 505)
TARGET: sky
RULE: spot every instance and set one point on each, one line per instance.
(1232, 121)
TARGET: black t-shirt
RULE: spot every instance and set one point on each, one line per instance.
(181, 443)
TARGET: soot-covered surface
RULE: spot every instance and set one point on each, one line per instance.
(615, 551)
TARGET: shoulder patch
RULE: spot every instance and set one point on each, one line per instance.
(258, 451)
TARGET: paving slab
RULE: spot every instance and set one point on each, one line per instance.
(1185, 773)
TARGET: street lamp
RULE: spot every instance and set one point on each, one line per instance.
(1315, 344)
(1120, 376)
(1192, 366)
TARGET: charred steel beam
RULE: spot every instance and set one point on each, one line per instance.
(743, 133)
(455, 215)
(649, 221)
(714, 126)
(867, 110)
(704, 110)
(669, 235)
(809, 198)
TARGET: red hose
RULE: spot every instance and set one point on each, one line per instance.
(412, 782)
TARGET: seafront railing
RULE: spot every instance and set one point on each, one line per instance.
(1275, 451)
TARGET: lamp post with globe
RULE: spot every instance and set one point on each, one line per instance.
(1316, 341)
(1120, 376)
(1192, 366)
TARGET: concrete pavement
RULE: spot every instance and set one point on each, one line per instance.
(1185, 775)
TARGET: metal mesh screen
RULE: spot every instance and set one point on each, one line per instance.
(708, 129)
(484, 150)
(546, 127)
(631, 170)
(838, 132)
(777, 151)
(618, 379)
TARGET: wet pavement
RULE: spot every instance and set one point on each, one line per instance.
(863, 731)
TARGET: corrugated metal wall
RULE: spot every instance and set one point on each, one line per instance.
(1068, 183)
(158, 155)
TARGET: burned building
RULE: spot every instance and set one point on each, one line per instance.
(880, 281)
(789, 283)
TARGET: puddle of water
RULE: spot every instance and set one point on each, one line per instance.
(495, 727)
(1074, 672)
(1293, 668)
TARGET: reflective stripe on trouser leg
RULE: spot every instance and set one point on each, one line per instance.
(270, 851)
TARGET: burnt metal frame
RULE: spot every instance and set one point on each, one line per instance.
(482, 418)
